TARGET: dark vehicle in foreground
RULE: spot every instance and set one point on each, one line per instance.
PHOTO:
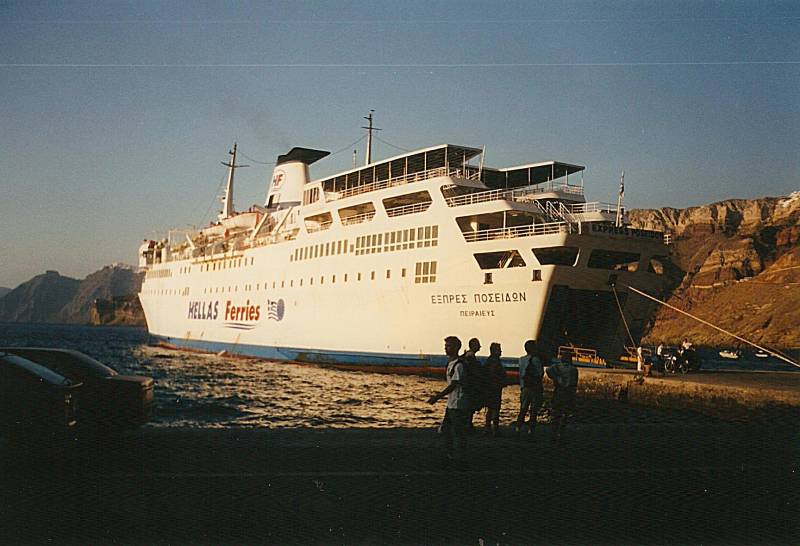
(108, 400)
(34, 400)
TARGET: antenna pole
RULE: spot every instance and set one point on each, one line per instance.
(227, 199)
(620, 198)
(369, 129)
(480, 168)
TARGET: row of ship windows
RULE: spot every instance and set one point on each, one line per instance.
(331, 248)
(613, 260)
(424, 273)
(230, 263)
(427, 236)
(402, 239)
(158, 273)
(168, 292)
(389, 241)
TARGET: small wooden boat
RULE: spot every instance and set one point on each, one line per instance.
(730, 355)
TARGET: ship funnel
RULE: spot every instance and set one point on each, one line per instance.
(289, 177)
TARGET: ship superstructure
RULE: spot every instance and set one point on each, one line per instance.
(377, 264)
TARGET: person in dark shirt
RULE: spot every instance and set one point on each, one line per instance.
(531, 392)
(496, 379)
(474, 379)
(564, 376)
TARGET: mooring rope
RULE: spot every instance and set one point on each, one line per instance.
(625, 322)
(773, 352)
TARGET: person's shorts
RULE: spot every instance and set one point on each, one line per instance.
(564, 401)
(455, 420)
(494, 400)
(531, 397)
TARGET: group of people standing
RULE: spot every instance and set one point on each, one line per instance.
(472, 385)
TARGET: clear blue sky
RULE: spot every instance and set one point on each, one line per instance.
(116, 115)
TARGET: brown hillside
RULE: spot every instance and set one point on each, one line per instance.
(738, 267)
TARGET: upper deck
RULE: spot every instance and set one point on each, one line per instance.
(438, 183)
(443, 160)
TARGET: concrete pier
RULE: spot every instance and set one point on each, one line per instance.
(631, 479)
(715, 393)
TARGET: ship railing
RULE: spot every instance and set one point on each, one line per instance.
(478, 197)
(358, 218)
(594, 206)
(272, 238)
(526, 194)
(322, 226)
(396, 181)
(557, 209)
(582, 354)
(408, 209)
(517, 231)
(493, 195)
(567, 188)
(470, 173)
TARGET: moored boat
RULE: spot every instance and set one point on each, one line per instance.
(375, 265)
(730, 354)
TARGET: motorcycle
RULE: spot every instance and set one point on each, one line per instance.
(683, 361)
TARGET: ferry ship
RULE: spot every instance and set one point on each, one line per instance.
(375, 265)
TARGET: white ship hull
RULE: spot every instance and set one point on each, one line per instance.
(337, 294)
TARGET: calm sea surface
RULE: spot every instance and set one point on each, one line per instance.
(207, 390)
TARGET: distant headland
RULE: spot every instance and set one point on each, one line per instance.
(107, 296)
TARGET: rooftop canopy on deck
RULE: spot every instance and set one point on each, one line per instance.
(444, 156)
(528, 175)
(451, 160)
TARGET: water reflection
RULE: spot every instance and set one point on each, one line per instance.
(206, 390)
(223, 391)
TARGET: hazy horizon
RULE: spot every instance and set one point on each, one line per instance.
(116, 117)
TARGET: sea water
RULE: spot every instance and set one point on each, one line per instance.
(210, 390)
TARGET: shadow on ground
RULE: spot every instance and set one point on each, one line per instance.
(663, 482)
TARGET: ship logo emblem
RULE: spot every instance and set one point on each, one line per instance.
(277, 179)
(275, 309)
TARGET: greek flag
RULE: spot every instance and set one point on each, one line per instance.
(275, 309)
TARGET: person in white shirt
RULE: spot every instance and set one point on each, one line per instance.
(642, 364)
(531, 391)
(454, 425)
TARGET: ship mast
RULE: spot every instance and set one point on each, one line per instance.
(620, 207)
(227, 199)
(369, 129)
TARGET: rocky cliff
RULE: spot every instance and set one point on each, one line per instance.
(106, 284)
(118, 311)
(58, 299)
(738, 266)
(4, 291)
(39, 299)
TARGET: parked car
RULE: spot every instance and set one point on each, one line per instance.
(35, 400)
(107, 399)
